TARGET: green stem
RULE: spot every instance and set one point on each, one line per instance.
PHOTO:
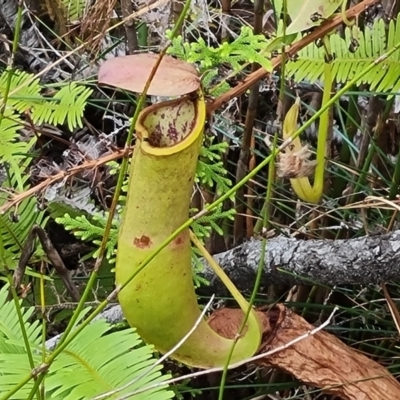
(323, 131)
(371, 152)
(17, 33)
(350, 125)
(364, 172)
(260, 267)
(394, 186)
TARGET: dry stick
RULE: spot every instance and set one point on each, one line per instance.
(57, 262)
(375, 108)
(250, 218)
(130, 26)
(322, 30)
(53, 256)
(245, 150)
(226, 6)
(96, 19)
(63, 175)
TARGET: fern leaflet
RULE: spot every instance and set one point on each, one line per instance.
(246, 48)
(87, 230)
(373, 43)
(75, 9)
(67, 106)
(210, 168)
(22, 95)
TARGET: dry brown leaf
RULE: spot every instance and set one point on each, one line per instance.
(320, 360)
(173, 77)
(296, 164)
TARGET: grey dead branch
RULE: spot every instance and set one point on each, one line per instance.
(363, 261)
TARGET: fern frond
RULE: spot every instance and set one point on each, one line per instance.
(247, 47)
(92, 231)
(11, 339)
(208, 174)
(81, 371)
(220, 89)
(210, 170)
(13, 150)
(16, 224)
(75, 9)
(22, 95)
(67, 106)
(13, 357)
(14, 234)
(373, 43)
(203, 226)
(198, 268)
(10, 146)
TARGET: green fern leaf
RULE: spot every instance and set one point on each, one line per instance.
(11, 339)
(10, 146)
(203, 226)
(92, 230)
(373, 43)
(81, 371)
(14, 234)
(14, 363)
(67, 106)
(22, 95)
(247, 47)
(75, 9)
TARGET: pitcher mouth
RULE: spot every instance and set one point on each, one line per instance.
(162, 133)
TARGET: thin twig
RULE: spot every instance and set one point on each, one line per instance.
(238, 364)
(162, 359)
(16, 199)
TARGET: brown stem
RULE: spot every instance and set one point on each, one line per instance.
(130, 27)
(225, 19)
(244, 156)
(319, 32)
(53, 256)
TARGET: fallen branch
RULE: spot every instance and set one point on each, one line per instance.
(362, 261)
